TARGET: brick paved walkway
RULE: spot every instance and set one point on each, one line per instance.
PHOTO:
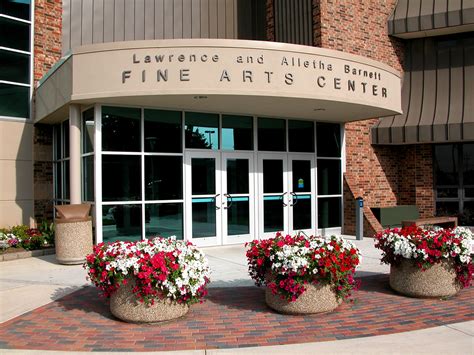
(231, 317)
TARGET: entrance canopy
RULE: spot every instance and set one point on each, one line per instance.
(231, 76)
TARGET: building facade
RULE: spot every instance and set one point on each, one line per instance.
(221, 121)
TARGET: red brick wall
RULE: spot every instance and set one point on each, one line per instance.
(47, 51)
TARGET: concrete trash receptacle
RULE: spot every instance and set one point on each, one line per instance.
(73, 237)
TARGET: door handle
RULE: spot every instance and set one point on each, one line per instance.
(294, 198)
(229, 201)
(217, 207)
(283, 199)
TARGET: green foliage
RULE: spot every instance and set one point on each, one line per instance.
(47, 230)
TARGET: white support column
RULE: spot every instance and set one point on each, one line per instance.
(75, 154)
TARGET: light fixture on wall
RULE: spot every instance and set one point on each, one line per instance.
(319, 109)
(200, 97)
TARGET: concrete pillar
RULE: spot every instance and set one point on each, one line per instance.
(75, 154)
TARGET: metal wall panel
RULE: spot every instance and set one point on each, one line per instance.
(437, 94)
(294, 21)
(98, 21)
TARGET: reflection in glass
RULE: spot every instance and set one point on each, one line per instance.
(121, 129)
(58, 195)
(328, 139)
(272, 214)
(329, 212)
(14, 34)
(447, 192)
(467, 217)
(88, 177)
(66, 180)
(65, 133)
(163, 178)
(301, 136)
(14, 101)
(329, 177)
(203, 179)
(238, 221)
(301, 176)
(237, 132)
(204, 218)
(163, 131)
(237, 176)
(14, 66)
(57, 141)
(468, 163)
(302, 212)
(446, 161)
(121, 222)
(121, 178)
(447, 208)
(88, 131)
(469, 192)
(201, 130)
(164, 219)
(271, 134)
(272, 175)
(16, 8)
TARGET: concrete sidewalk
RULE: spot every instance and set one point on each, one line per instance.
(27, 284)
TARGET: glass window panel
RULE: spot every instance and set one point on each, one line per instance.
(202, 130)
(203, 172)
(14, 101)
(328, 139)
(271, 134)
(65, 133)
(14, 34)
(238, 219)
(301, 176)
(302, 212)
(121, 178)
(163, 131)
(58, 181)
(443, 192)
(88, 177)
(237, 176)
(469, 192)
(467, 217)
(88, 131)
(329, 177)
(301, 136)
(468, 163)
(164, 219)
(121, 129)
(204, 219)
(121, 222)
(237, 132)
(329, 212)
(272, 176)
(163, 178)
(16, 8)
(14, 67)
(272, 215)
(66, 180)
(446, 161)
(445, 208)
(57, 142)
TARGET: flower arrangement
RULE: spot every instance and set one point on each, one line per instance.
(427, 247)
(286, 264)
(161, 268)
(22, 236)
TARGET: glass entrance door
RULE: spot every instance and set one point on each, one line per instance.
(286, 194)
(238, 197)
(301, 208)
(203, 198)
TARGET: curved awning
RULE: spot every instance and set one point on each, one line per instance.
(437, 94)
(232, 76)
(422, 18)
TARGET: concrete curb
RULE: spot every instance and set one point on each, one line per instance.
(27, 254)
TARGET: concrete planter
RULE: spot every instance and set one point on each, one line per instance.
(437, 281)
(316, 299)
(125, 306)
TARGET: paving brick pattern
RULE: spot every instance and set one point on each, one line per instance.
(231, 317)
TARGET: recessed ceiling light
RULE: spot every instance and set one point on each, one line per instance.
(200, 97)
(319, 109)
